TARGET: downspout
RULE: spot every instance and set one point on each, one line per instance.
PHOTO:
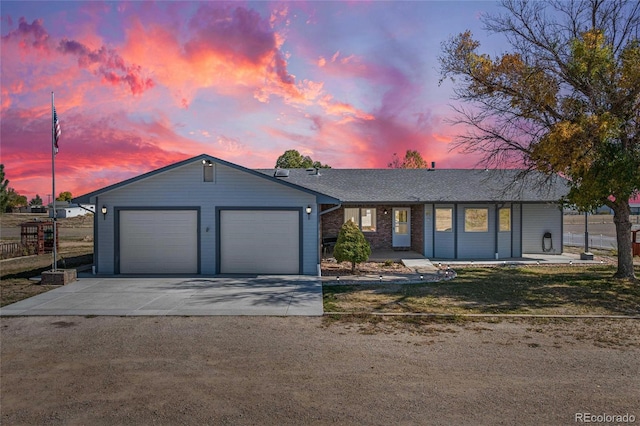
(496, 232)
(336, 207)
(96, 244)
(455, 234)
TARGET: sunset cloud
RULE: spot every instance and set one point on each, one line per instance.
(29, 36)
(139, 85)
(109, 64)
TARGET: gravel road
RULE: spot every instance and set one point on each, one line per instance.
(272, 370)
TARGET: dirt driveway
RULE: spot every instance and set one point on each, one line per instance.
(274, 370)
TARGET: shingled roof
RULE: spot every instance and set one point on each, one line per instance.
(423, 185)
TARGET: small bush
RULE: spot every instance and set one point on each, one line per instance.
(351, 245)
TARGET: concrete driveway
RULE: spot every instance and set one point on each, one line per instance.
(257, 295)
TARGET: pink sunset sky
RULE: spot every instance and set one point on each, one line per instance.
(139, 85)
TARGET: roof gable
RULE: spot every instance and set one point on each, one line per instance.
(87, 198)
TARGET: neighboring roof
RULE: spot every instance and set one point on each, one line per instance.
(66, 205)
(424, 185)
(87, 198)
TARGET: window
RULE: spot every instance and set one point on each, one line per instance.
(364, 217)
(505, 220)
(444, 220)
(476, 220)
(208, 170)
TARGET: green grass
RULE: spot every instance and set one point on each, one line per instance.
(524, 290)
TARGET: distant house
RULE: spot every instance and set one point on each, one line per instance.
(205, 215)
(66, 209)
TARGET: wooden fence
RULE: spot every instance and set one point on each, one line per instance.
(8, 250)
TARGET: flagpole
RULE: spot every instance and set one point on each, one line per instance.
(53, 184)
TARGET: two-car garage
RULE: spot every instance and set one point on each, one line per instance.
(248, 241)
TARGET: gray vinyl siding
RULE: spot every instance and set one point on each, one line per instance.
(476, 245)
(183, 186)
(504, 237)
(516, 230)
(428, 230)
(538, 219)
(445, 242)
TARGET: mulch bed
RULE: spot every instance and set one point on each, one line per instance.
(333, 268)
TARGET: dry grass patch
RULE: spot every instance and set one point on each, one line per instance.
(15, 284)
(76, 249)
(560, 290)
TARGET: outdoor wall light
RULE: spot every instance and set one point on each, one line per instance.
(308, 210)
(104, 212)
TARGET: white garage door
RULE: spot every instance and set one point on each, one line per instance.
(259, 242)
(158, 242)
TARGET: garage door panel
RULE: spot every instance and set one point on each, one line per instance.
(259, 241)
(158, 241)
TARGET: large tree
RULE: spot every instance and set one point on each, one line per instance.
(65, 196)
(292, 159)
(564, 100)
(15, 200)
(412, 160)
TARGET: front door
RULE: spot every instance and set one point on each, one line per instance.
(401, 227)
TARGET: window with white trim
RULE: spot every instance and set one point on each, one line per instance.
(364, 217)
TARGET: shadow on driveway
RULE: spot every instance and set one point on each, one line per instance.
(224, 295)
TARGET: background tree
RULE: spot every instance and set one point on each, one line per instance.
(36, 201)
(64, 196)
(292, 159)
(4, 196)
(412, 160)
(15, 200)
(565, 100)
(351, 245)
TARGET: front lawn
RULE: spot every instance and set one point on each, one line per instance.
(561, 290)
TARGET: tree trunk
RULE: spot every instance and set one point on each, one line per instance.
(621, 218)
(353, 266)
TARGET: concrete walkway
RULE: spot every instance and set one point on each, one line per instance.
(261, 295)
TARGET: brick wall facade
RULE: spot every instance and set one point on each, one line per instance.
(383, 237)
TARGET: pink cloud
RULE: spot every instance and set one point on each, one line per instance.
(29, 36)
(109, 64)
(34, 39)
(231, 49)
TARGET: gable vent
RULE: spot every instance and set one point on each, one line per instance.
(282, 173)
